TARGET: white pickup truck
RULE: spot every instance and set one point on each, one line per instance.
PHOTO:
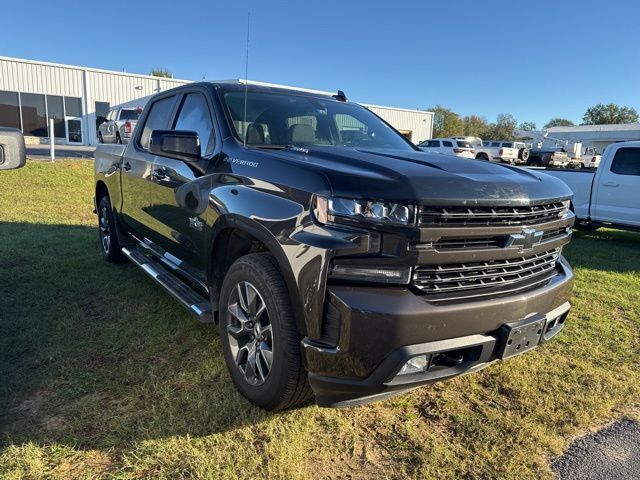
(496, 152)
(609, 196)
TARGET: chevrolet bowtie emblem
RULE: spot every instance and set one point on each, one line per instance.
(525, 240)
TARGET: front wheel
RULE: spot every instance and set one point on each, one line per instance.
(260, 341)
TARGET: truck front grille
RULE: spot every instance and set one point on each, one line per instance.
(472, 216)
(464, 280)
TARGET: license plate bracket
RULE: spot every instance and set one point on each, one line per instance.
(520, 337)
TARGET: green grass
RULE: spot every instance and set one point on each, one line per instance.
(103, 375)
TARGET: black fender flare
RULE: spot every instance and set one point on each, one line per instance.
(263, 235)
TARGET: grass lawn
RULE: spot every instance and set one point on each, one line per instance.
(103, 375)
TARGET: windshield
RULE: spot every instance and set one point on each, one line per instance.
(279, 119)
(129, 114)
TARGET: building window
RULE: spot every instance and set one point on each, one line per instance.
(73, 106)
(9, 110)
(102, 110)
(56, 112)
(34, 115)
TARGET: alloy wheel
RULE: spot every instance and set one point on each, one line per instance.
(250, 334)
(105, 234)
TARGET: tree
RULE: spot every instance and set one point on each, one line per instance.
(474, 125)
(161, 72)
(502, 129)
(528, 126)
(446, 123)
(558, 122)
(601, 114)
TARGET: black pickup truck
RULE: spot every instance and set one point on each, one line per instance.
(336, 258)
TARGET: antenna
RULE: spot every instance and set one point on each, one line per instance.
(246, 83)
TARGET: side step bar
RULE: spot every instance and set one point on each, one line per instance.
(197, 304)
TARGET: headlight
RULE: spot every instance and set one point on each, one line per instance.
(327, 209)
(565, 208)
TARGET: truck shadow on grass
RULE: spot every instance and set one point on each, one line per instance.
(96, 355)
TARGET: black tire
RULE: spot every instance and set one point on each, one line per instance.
(535, 162)
(285, 382)
(482, 156)
(524, 154)
(585, 226)
(100, 139)
(118, 139)
(110, 247)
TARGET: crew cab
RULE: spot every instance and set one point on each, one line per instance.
(496, 152)
(448, 146)
(119, 125)
(611, 195)
(336, 257)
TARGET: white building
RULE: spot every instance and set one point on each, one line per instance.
(79, 98)
(598, 136)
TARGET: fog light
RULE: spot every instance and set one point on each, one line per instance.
(415, 365)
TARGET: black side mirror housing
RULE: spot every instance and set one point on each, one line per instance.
(179, 144)
(13, 153)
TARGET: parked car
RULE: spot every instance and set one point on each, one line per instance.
(610, 195)
(448, 146)
(548, 157)
(495, 151)
(13, 153)
(119, 125)
(335, 256)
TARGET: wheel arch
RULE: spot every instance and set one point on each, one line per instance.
(234, 236)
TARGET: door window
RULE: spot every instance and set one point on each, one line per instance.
(447, 144)
(157, 119)
(626, 161)
(194, 116)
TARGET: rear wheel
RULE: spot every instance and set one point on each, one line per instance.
(535, 162)
(259, 338)
(482, 156)
(109, 244)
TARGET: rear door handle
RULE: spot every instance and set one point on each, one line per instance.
(126, 166)
(610, 184)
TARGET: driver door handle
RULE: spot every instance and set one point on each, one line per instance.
(159, 174)
(610, 184)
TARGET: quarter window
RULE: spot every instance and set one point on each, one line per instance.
(157, 119)
(626, 161)
(194, 116)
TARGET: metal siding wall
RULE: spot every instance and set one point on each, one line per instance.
(419, 123)
(33, 78)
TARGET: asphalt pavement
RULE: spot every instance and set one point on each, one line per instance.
(41, 152)
(612, 453)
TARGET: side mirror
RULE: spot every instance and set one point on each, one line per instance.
(179, 144)
(13, 153)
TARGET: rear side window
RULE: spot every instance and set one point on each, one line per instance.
(507, 145)
(462, 144)
(129, 114)
(495, 144)
(194, 116)
(157, 119)
(626, 161)
(447, 144)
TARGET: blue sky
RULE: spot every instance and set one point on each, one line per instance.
(535, 60)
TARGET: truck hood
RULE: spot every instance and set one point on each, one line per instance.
(426, 178)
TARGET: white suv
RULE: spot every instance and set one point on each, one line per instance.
(448, 146)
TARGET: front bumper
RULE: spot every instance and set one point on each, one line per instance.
(381, 328)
